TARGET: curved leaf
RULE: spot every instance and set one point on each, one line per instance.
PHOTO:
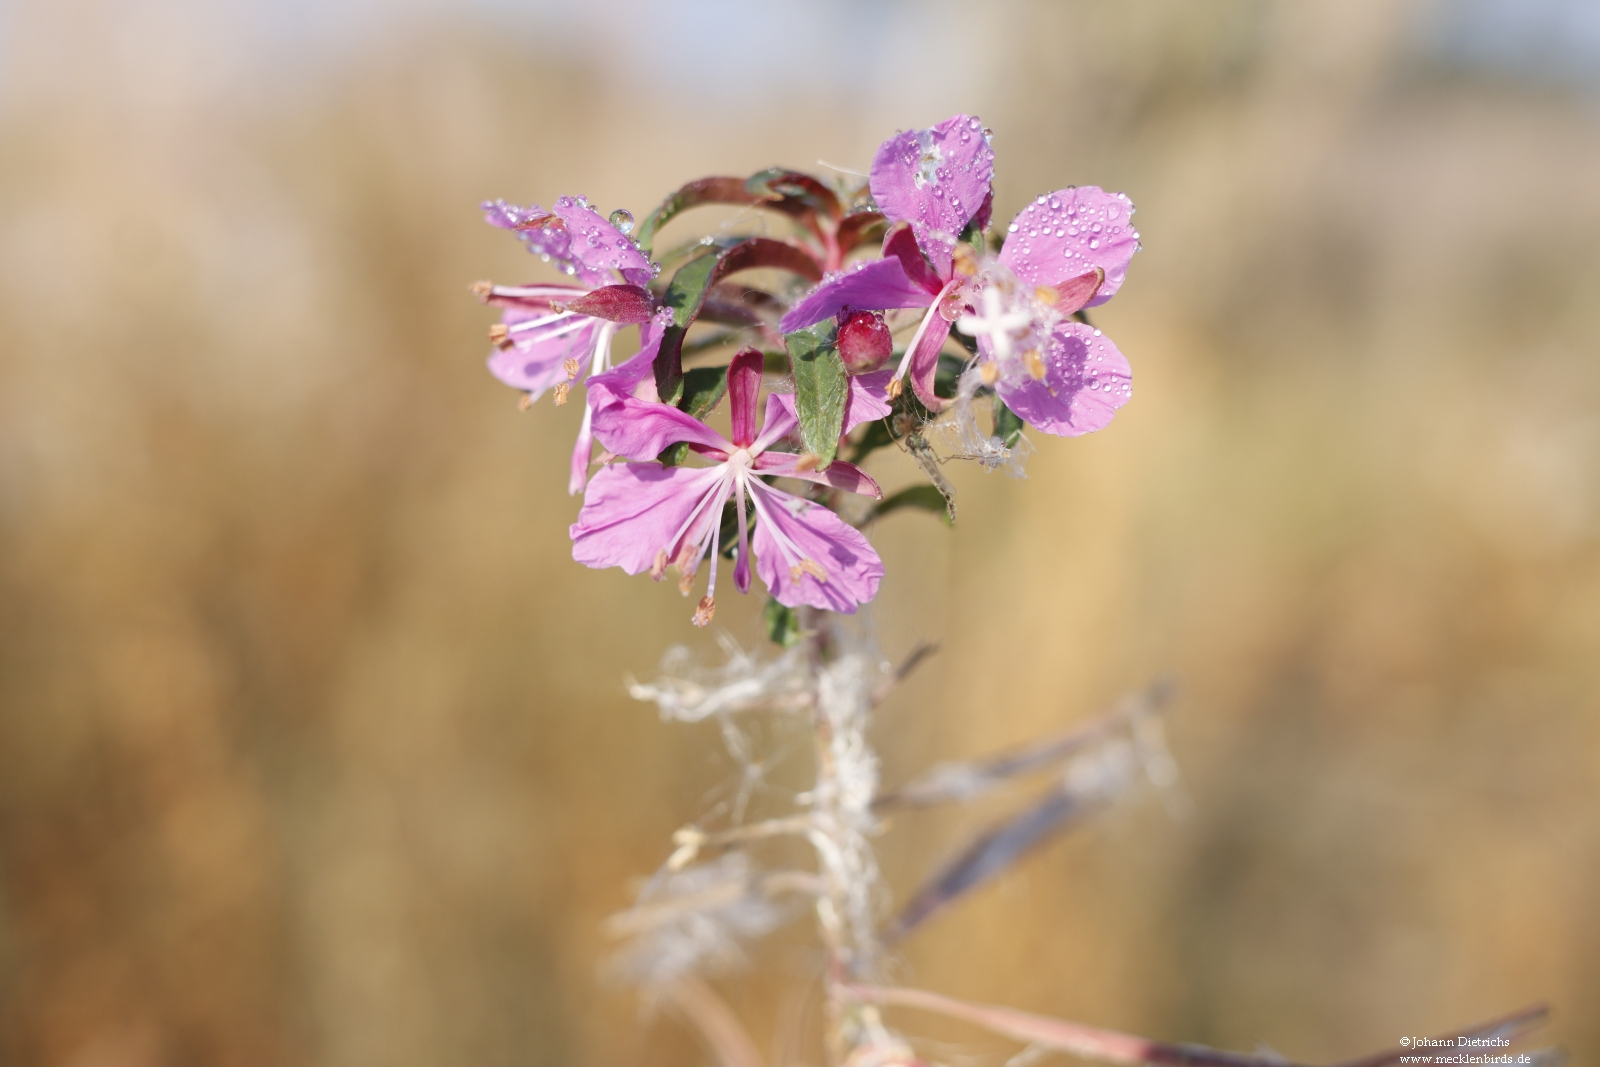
(798, 195)
(926, 497)
(687, 295)
(782, 183)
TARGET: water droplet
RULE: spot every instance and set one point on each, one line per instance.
(1111, 212)
(1095, 243)
(622, 219)
(974, 124)
(1072, 231)
(1095, 227)
(1012, 228)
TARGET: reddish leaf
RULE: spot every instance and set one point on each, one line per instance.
(778, 182)
(859, 228)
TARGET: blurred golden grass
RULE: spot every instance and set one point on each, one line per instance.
(314, 746)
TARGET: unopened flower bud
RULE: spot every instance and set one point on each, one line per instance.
(864, 341)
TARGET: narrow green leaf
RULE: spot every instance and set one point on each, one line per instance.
(1007, 423)
(783, 624)
(820, 389)
(926, 497)
(703, 388)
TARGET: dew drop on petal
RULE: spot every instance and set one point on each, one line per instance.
(1094, 244)
(622, 219)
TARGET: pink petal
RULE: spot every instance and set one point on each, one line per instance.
(632, 511)
(869, 398)
(779, 423)
(852, 568)
(744, 383)
(1070, 232)
(598, 245)
(901, 243)
(935, 179)
(534, 364)
(642, 429)
(876, 285)
(925, 359)
(840, 475)
(636, 377)
(1086, 380)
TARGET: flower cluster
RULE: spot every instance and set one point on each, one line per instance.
(906, 263)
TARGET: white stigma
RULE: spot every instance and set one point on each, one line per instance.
(996, 322)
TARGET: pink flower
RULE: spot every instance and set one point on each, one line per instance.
(549, 335)
(642, 516)
(931, 184)
(1064, 252)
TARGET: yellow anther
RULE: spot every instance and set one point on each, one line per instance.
(570, 365)
(964, 261)
(1035, 364)
(808, 461)
(561, 391)
(1047, 294)
(525, 402)
(482, 290)
(500, 335)
(989, 373)
(707, 608)
(894, 388)
(659, 567)
(813, 568)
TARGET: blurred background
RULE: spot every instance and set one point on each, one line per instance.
(314, 744)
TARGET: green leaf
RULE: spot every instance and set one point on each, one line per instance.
(926, 497)
(1007, 423)
(783, 624)
(687, 295)
(948, 374)
(700, 191)
(874, 435)
(820, 389)
(703, 389)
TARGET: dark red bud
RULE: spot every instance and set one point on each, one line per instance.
(619, 303)
(864, 341)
